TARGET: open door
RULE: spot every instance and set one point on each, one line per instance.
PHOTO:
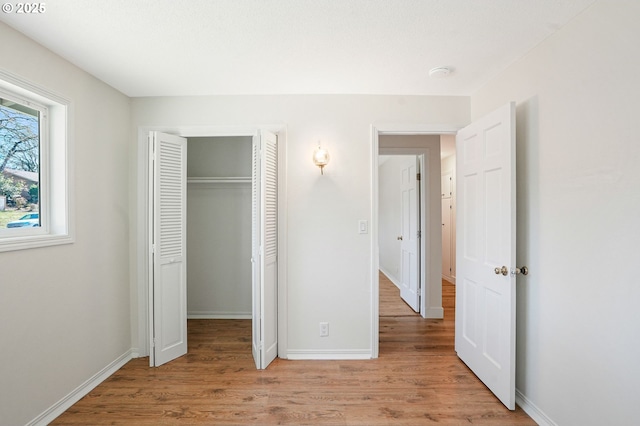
(265, 248)
(410, 236)
(485, 334)
(168, 257)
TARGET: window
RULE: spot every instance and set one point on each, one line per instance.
(34, 172)
(20, 161)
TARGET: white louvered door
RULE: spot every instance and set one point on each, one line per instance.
(256, 259)
(168, 180)
(265, 249)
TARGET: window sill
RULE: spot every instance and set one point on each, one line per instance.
(33, 241)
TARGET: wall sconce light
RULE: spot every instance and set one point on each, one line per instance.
(321, 158)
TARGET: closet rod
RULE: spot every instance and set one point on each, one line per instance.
(238, 179)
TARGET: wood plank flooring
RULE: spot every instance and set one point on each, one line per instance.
(391, 305)
(417, 380)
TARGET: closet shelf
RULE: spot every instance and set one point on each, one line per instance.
(236, 179)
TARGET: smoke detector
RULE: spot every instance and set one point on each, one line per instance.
(440, 72)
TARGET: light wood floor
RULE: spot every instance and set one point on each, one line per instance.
(417, 380)
(391, 305)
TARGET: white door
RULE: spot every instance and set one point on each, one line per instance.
(168, 257)
(265, 249)
(485, 297)
(409, 236)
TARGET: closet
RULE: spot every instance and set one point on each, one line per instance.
(219, 227)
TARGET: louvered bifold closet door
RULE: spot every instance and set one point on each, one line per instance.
(270, 241)
(255, 254)
(169, 247)
(265, 249)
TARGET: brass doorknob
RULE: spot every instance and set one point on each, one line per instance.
(504, 271)
(522, 270)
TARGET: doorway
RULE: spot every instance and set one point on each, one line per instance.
(144, 300)
(219, 227)
(412, 141)
(389, 256)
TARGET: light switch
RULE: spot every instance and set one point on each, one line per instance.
(363, 227)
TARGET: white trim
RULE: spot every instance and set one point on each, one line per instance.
(142, 235)
(141, 257)
(78, 393)
(416, 129)
(433, 313)
(375, 249)
(329, 354)
(533, 411)
(218, 315)
(283, 310)
(33, 241)
(449, 279)
(390, 276)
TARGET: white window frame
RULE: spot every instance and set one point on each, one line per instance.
(54, 200)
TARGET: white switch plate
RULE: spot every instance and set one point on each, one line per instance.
(363, 227)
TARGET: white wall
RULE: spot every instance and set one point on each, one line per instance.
(219, 229)
(64, 310)
(577, 93)
(578, 216)
(329, 262)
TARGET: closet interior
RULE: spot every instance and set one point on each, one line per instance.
(219, 282)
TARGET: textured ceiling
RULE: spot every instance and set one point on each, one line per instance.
(205, 47)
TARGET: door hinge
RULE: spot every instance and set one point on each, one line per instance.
(418, 177)
(419, 233)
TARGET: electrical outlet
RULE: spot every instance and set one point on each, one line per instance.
(324, 329)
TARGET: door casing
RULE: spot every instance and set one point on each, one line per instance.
(141, 255)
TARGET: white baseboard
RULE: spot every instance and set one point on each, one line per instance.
(449, 279)
(435, 313)
(391, 277)
(218, 315)
(61, 406)
(533, 411)
(319, 354)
